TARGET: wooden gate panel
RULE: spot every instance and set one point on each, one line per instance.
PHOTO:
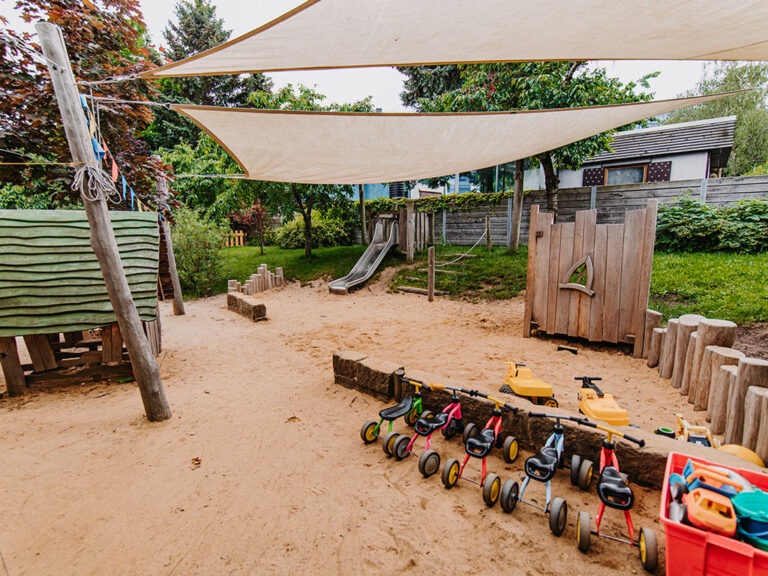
(644, 288)
(554, 271)
(613, 282)
(562, 311)
(634, 227)
(596, 306)
(575, 296)
(543, 233)
(588, 249)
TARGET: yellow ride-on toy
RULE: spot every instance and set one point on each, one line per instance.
(598, 406)
(519, 381)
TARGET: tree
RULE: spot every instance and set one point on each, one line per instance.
(427, 82)
(750, 146)
(254, 220)
(290, 198)
(536, 86)
(104, 38)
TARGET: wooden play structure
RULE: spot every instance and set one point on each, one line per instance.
(52, 294)
(590, 280)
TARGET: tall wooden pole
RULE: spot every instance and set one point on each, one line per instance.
(431, 275)
(103, 241)
(363, 227)
(517, 208)
(178, 297)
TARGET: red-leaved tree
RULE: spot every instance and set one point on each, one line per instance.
(254, 220)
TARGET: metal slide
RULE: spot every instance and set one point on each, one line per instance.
(369, 261)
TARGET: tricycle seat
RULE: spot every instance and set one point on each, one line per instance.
(426, 426)
(542, 466)
(394, 412)
(613, 491)
(479, 446)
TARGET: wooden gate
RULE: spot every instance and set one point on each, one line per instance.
(590, 281)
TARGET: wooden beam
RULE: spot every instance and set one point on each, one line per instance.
(178, 297)
(431, 275)
(530, 283)
(41, 352)
(15, 381)
(102, 236)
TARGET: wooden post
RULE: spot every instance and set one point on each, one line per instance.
(411, 231)
(15, 381)
(40, 351)
(431, 275)
(652, 321)
(530, 283)
(517, 209)
(488, 233)
(102, 236)
(431, 228)
(689, 352)
(667, 361)
(686, 325)
(761, 446)
(654, 350)
(713, 358)
(711, 333)
(363, 223)
(646, 265)
(722, 383)
(178, 297)
(755, 410)
(752, 372)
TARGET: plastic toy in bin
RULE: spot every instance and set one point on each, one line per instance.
(752, 510)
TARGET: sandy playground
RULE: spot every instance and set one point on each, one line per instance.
(262, 470)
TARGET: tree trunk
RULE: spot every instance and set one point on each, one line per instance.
(517, 206)
(363, 226)
(307, 233)
(551, 181)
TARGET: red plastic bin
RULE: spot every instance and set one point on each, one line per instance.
(694, 552)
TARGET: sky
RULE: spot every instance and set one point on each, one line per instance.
(385, 84)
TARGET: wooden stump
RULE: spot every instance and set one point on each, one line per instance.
(687, 324)
(688, 362)
(652, 321)
(714, 357)
(761, 446)
(15, 381)
(752, 372)
(755, 406)
(711, 333)
(667, 361)
(654, 350)
(722, 383)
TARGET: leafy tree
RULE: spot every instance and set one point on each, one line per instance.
(750, 146)
(290, 198)
(197, 245)
(536, 86)
(104, 38)
(254, 220)
(427, 82)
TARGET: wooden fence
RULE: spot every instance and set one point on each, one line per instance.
(235, 239)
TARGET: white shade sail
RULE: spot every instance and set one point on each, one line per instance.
(355, 148)
(354, 33)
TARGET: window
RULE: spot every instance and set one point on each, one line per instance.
(625, 175)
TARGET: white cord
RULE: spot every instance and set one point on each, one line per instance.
(94, 184)
(465, 253)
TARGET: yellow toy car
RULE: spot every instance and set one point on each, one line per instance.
(594, 404)
(520, 382)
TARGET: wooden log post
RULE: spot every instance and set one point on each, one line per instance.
(687, 324)
(689, 352)
(714, 357)
(411, 231)
(15, 381)
(654, 350)
(761, 446)
(178, 297)
(755, 410)
(711, 333)
(652, 321)
(752, 372)
(723, 382)
(431, 225)
(488, 233)
(41, 352)
(102, 236)
(431, 275)
(667, 361)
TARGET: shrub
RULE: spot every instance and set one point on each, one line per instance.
(690, 226)
(197, 244)
(325, 232)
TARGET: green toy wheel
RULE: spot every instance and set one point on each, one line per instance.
(510, 493)
(558, 514)
(510, 450)
(491, 489)
(368, 432)
(583, 531)
(586, 472)
(649, 552)
(575, 468)
(451, 472)
(470, 431)
(429, 463)
(400, 447)
(388, 443)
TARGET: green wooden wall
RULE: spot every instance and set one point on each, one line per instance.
(50, 280)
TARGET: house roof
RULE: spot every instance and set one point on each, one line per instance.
(712, 134)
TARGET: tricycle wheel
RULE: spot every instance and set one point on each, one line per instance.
(575, 469)
(400, 447)
(649, 553)
(425, 414)
(429, 463)
(509, 495)
(558, 514)
(586, 471)
(491, 489)
(583, 531)
(450, 473)
(511, 449)
(449, 431)
(368, 432)
(411, 417)
(470, 431)
(551, 402)
(389, 442)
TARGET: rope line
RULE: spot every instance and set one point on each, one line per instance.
(166, 105)
(95, 184)
(465, 253)
(234, 176)
(108, 80)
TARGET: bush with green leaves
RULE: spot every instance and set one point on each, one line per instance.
(326, 231)
(691, 226)
(197, 244)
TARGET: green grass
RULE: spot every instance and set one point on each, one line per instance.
(496, 275)
(326, 263)
(726, 286)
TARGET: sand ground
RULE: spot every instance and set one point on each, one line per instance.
(262, 471)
